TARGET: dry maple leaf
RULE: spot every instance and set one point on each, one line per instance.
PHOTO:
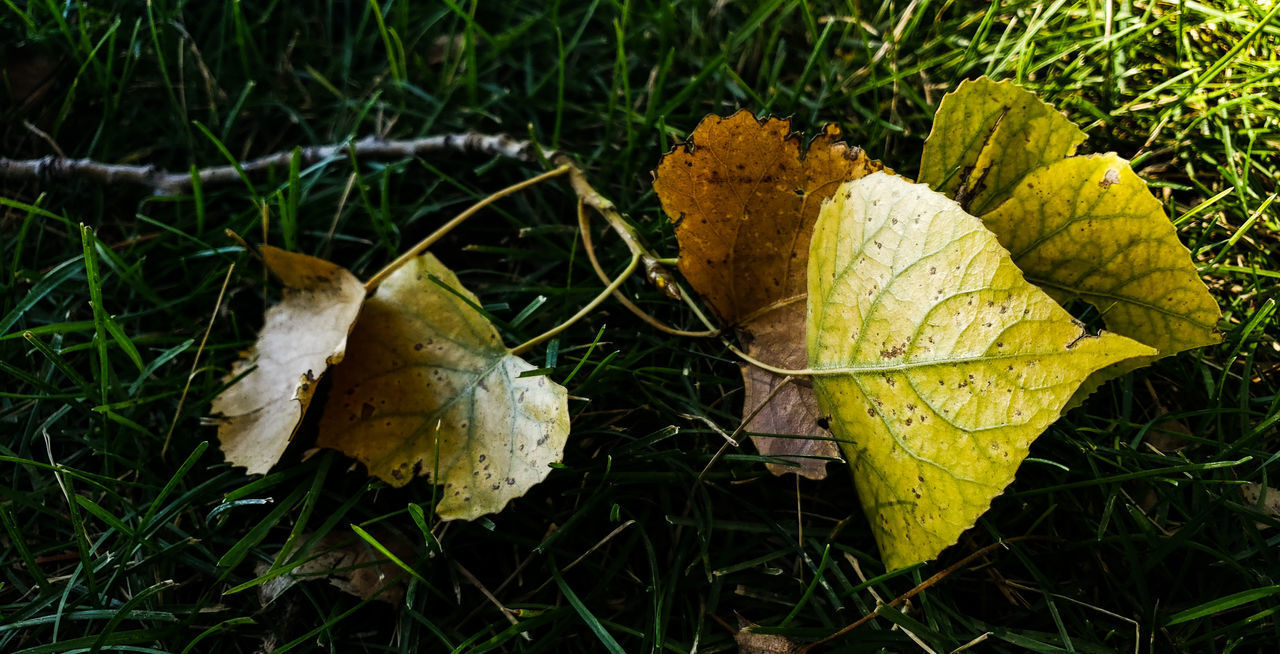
(744, 199)
(302, 336)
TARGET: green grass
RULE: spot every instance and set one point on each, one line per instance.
(109, 546)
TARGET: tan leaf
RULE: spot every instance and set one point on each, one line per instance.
(1261, 497)
(429, 389)
(744, 199)
(301, 336)
(750, 642)
(753, 643)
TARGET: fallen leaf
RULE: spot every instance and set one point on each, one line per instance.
(744, 199)
(1082, 227)
(349, 563)
(1263, 498)
(753, 643)
(1087, 228)
(301, 336)
(938, 363)
(986, 136)
(428, 388)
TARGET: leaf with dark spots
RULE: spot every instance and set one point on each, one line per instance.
(935, 426)
(466, 420)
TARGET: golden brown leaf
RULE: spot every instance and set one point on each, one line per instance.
(744, 199)
(301, 336)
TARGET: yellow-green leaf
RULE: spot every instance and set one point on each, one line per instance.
(429, 389)
(744, 196)
(938, 364)
(986, 136)
(1087, 228)
(301, 336)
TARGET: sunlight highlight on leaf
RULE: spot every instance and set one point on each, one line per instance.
(986, 136)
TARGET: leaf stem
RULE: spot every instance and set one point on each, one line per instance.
(430, 240)
(584, 227)
(613, 286)
(927, 583)
(656, 273)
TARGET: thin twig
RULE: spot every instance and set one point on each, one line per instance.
(506, 613)
(657, 274)
(924, 585)
(588, 243)
(582, 313)
(732, 439)
(600, 543)
(430, 240)
(163, 182)
(333, 225)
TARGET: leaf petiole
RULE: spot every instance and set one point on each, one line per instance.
(430, 240)
(582, 313)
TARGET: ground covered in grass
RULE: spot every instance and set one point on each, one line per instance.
(1146, 537)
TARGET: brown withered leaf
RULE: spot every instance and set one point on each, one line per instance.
(744, 199)
(1264, 498)
(753, 643)
(352, 565)
(302, 336)
(750, 642)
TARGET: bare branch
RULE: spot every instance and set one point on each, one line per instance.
(163, 182)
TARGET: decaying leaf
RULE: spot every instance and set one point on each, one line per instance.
(301, 336)
(750, 642)
(428, 388)
(986, 136)
(940, 363)
(744, 199)
(1265, 498)
(348, 562)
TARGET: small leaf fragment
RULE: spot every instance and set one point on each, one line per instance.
(744, 199)
(750, 642)
(349, 563)
(301, 336)
(986, 136)
(941, 363)
(429, 389)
